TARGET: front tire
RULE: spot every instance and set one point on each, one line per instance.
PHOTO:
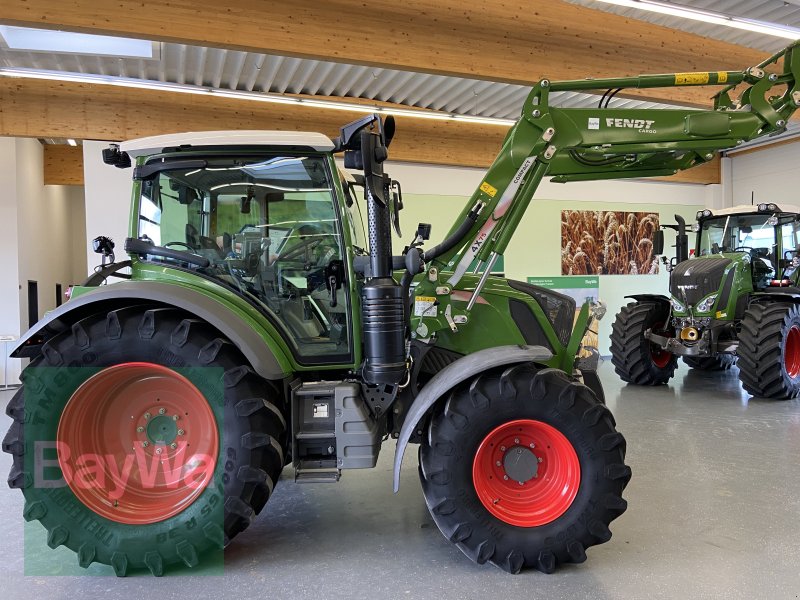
(141, 365)
(769, 350)
(635, 359)
(565, 501)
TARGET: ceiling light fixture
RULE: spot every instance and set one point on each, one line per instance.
(707, 16)
(248, 96)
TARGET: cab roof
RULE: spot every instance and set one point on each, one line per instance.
(158, 143)
(744, 209)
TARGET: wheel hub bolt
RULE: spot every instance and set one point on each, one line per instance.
(533, 445)
(181, 432)
(175, 417)
(516, 440)
(161, 411)
(145, 444)
(505, 477)
(159, 450)
(173, 445)
(502, 448)
(147, 415)
(521, 482)
(539, 458)
(498, 463)
(139, 429)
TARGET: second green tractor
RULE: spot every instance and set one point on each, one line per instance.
(736, 300)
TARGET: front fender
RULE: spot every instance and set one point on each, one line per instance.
(452, 375)
(267, 362)
(649, 298)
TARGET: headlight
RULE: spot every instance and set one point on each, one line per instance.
(696, 227)
(796, 261)
(706, 303)
(772, 221)
(676, 305)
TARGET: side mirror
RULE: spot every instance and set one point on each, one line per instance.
(658, 242)
(187, 195)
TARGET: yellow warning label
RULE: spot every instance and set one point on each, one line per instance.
(489, 189)
(722, 76)
(425, 306)
(691, 78)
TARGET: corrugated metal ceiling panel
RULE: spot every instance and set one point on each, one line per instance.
(778, 12)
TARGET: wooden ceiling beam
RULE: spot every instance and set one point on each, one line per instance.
(38, 108)
(513, 41)
(63, 164)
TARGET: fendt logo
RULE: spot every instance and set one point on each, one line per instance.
(643, 125)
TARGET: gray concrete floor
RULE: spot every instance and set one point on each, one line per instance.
(714, 512)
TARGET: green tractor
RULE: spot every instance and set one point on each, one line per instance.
(735, 301)
(263, 325)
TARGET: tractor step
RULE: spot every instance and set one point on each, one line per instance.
(317, 475)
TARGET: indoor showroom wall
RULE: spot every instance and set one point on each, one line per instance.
(768, 175)
(436, 195)
(42, 236)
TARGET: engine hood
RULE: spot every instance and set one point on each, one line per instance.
(694, 279)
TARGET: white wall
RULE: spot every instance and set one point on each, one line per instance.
(9, 253)
(770, 175)
(40, 229)
(108, 199)
(50, 223)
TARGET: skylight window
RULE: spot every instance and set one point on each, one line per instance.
(46, 40)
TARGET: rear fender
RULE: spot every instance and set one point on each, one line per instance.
(453, 374)
(267, 360)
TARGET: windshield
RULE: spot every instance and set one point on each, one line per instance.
(268, 226)
(747, 233)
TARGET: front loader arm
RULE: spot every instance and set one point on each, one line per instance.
(572, 144)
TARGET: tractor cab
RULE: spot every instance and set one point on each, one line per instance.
(260, 213)
(765, 238)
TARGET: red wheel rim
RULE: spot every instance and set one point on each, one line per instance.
(791, 353)
(137, 443)
(659, 356)
(539, 456)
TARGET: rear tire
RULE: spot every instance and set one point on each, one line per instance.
(720, 362)
(635, 359)
(249, 420)
(769, 350)
(581, 453)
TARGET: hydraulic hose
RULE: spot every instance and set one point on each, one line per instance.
(449, 242)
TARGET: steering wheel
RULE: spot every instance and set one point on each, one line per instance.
(184, 244)
(749, 249)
